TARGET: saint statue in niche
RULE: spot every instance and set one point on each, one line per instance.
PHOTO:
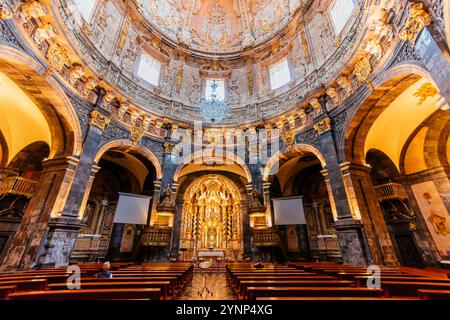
(255, 199)
(166, 200)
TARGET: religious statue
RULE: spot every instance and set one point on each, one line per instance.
(255, 199)
(166, 201)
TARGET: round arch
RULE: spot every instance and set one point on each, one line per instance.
(202, 157)
(49, 96)
(387, 88)
(296, 150)
(126, 145)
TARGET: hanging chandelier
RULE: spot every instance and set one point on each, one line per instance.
(213, 109)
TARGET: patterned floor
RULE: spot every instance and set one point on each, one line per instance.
(215, 282)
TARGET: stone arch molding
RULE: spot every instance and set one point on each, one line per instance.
(386, 88)
(202, 157)
(297, 149)
(127, 145)
(16, 64)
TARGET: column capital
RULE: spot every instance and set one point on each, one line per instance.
(61, 163)
(99, 119)
(348, 167)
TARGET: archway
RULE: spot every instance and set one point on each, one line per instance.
(37, 122)
(121, 169)
(29, 83)
(201, 161)
(212, 218)
(300, 173)
(387, 132)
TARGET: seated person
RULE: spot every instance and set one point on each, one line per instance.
(105, 273)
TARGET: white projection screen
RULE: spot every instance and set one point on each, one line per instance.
(288, 211)
(132, 209)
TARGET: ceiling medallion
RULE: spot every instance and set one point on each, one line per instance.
(213, 109)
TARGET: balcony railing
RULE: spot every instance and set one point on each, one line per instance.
(267, 237)
(390, 191)
(156, 237)
(18, 186)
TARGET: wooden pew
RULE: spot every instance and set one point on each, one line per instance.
(434, 294)
(232, 278)
(361, 281)
(302, 283)
(332, 299)
(26, 285)
(181, 281)
(92, 294)
(5, 291)
(410, 289)
(163, 285)
(353, 276)
(49, 278)
(256, 292)
(236, 283)
(174, 288)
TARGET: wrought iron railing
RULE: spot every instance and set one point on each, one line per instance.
(156, 237)
(267, 237)
(390, 191)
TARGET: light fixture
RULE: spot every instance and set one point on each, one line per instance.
(212, 108)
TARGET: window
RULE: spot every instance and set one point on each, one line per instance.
(279, 74)
(215, 87)
(341, 11)
(149, 69)
(86, 7)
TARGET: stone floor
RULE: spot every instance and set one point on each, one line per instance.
(215, 282)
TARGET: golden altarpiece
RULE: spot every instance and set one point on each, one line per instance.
(212, 218)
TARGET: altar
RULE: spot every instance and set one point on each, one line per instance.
(210, 255)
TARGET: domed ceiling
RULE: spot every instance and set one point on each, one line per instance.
(190, 42)
(215, 26)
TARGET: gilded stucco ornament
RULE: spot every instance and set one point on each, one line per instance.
(98, 119)
(418, 19)
(323, 126)
(57, 56)
(288, 138)
(34, 9)
(427, 90)
(362, 70)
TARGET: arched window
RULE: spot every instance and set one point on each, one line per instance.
(279, 74)
(86, 7)
(341, 11)
(149, 69)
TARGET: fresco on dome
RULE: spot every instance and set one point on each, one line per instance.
(219, 25)
(216, 24)
(266, 15)
(166, 14)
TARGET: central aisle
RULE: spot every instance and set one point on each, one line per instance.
(215, 282)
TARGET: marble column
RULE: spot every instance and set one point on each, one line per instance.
(28, 242)
(350, 232)
(63, 230)
(365, 205)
